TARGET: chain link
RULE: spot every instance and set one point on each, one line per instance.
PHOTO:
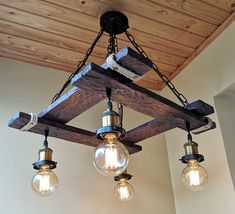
(113, 45)
(79, 67)
(164, 78)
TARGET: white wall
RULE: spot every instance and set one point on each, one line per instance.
(212, 71)
(225, 108)
(29, 88)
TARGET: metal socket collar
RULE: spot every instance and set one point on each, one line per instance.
(111, 124)
(44, 159)
(198, 157)
(123, 176)
(116, 130)
(191, 152)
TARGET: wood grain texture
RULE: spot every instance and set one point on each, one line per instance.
(156, 12)
(70, 105)
(132, 60)
(76, 101)
(84, 44)
(26, 56)
(87, 22)
(227, 5)
(200, 108)
(210, 39)
(57, 33)
(147, 130)
(83, 35)
(150, 79)
(197, 9)
(61, 131)
(96, 79)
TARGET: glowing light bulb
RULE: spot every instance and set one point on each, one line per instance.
(45, 182)
(111, 157)
(124, 191)
(194, 176)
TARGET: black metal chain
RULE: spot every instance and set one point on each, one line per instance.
(120, 112)
(113, 45)
(164, 78)
(79, 67)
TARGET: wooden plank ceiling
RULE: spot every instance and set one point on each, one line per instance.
(57, 33)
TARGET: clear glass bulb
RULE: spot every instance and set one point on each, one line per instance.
(124, 191)
(194, 176)
(45, 182)
(111, 157)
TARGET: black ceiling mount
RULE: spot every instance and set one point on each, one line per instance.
(114, 22)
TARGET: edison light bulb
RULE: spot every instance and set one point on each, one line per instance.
(124, 191)
(111, 157)
(45, 182)
(194, 176)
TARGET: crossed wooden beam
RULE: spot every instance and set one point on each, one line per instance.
(90, 88)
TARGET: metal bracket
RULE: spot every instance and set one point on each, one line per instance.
(112, 64)
(33, 122)
(204, 128)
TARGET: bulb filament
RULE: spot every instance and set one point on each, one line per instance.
(194, 178)
(111, 158)
(123, 192)
(44, 184)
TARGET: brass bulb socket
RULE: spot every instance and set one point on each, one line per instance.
(110, 118)
(190, 148)
(45, 154)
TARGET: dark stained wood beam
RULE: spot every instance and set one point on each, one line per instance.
(158, 125)
(147, 130)
(201, 108)
(95, 78)
(132, 60)
(61, 131)
(70, 105)
(77, 101)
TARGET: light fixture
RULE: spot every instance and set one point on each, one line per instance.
(123, 191)
(45, 180)
(111, 157)
(92, 84)
(194, 176)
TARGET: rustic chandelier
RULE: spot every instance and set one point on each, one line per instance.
(114, 81)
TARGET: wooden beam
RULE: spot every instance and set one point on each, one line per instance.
(76, 101)
(201, 108)
(70, 105)
(147, 130)
(95, 78)
(132, 60)
(158, 126)
(61, 131)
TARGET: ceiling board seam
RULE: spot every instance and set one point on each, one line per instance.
(220, 8)
(175, 27)
(49, 44)
(8, 55)
(130, 11)
(47, 17)
(179, 43)
(205, 43)
(58, 34)
(98, 56)
(75, 63)
(181, 11)
(72, 50)
(67, 23)
(77, 40)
